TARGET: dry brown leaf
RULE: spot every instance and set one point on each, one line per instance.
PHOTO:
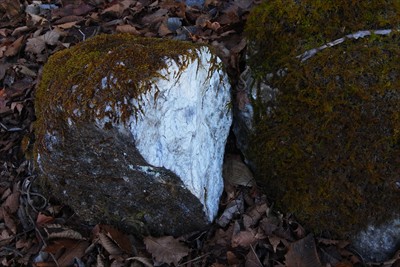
(19, 30)
(302, 253)
(244, 239)
(252, 260)
(118, 8)
(3, 49)
(235, 172)
(156, 17)
(37, 20)
(67, 25)
(43, 219)
(58, 231)
(9, 221)
(35, 45)
(109, 245)
(51, 37)
(12, 202)
(72, 249)
(120, 238)
(12, 8)
(14, 48)
(127, 29)
(166, 249)
(215, 26)
(232, 259)
(254, 214)
(234, 207)
(71, 9)
(163, 29)
(145, 261)
(68, 19)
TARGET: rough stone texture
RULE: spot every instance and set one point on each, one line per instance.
(378, 243)
(149, 164)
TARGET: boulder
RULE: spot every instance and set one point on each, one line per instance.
(132, 131)
(318, 119)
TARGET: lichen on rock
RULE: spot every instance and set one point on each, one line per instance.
(139, 123)
(326, 147)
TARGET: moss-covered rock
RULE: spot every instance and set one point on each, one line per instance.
(327, 145)
(131, 131)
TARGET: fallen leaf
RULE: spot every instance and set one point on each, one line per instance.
(252, 260)
(235, 172)
(302, 253)
(156, 17)
(12, 8)
(43, 219)
(59, 231)
(166, 249)
(9, 221)
(35, 45)
(243, 239)
(37, 20)
(51, 37)
(72, 249)
(121, 239)
(118, 8)
(14, 48)
(71, 9)
(145, 261)
(127, 29)
(109, 245)
(234, 207)
(12, 202)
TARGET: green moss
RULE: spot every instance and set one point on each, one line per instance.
(107, 70)
(330, 143)
(281, 30)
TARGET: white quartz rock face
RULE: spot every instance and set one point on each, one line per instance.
(185, 124)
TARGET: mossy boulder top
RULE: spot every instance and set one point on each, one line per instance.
(324, 138)
(134, 129)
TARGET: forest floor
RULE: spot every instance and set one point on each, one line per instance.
(36, 231)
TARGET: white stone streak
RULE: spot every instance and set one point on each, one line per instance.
(360, 34)
(185, 128)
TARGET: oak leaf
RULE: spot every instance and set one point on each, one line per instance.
(166, 249)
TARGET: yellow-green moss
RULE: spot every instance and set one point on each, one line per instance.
(328, 150)
(74, 79)
(279, 30)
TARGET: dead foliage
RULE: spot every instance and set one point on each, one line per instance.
(43, 233)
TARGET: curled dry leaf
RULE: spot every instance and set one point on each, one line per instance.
(119, 238)
(12, 202)
(234, 207)
(303, 253)
(235, 172)
(145, 261)
(14, 48)
(59, 231)
(166, 249)
(127, 29)
(244, 239)
(109, 245)
(70, 249)
(35, 45)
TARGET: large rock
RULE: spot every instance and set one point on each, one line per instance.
(320, 120)
(132, 131)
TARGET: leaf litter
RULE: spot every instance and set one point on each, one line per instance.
(35, 231)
